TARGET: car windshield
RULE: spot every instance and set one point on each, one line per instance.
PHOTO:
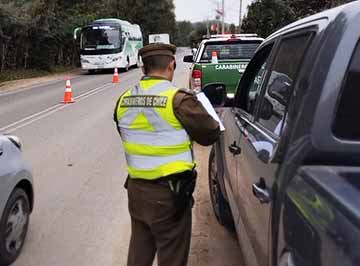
(101, 37)
(230, 51)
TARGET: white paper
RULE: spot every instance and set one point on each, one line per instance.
(209, 108)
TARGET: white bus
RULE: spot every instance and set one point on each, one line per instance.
(109, 43)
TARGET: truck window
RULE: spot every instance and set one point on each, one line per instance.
(230, 50)
(248, 96)
(346, 124)
(280, 85)
(255, 89)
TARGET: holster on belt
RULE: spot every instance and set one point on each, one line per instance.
(182, 187)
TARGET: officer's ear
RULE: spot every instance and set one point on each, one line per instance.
(172, 65)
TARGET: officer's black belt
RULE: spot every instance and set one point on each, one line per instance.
(165, 180)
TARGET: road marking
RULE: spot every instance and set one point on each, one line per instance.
(51, 110)
(57, 107)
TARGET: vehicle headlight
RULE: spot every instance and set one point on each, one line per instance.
(85, 61)
(16, 141)
(116, 59)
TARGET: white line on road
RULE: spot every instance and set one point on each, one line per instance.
(49, 111)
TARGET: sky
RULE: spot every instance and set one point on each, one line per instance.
(199, 10)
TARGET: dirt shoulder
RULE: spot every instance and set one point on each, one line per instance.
(212, 244)
(13, 85)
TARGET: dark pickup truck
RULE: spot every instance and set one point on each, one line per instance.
(286, 171)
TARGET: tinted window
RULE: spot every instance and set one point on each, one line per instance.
(347, 118)
(229, 50)
(279, 87)
(255, 89)
(248, 93)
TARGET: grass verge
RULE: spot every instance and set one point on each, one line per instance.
(10, 75)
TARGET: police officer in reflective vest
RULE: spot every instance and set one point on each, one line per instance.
(157, 123)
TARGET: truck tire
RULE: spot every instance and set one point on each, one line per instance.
(13, 226)
(220, 205)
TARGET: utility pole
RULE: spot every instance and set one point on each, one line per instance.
(223, 17)
(207, 28)
(240, 16)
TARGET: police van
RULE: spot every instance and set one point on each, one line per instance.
(222, 59)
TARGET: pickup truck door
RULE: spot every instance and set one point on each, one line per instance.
(256, 175)
(249, 167)
(257, 167)
(232, 151)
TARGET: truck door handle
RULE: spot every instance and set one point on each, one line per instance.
(1, 152)
(261, 191)
(234, 149)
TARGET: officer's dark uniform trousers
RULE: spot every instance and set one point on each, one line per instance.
(156, 227)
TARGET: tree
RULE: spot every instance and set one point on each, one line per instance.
(38, 34)
(304, 8)
(200, 30)
(232, 28)
(183, 33)
(156, 16)
(265, 16)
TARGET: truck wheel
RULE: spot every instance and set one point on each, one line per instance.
(13, 226)
(220, 205)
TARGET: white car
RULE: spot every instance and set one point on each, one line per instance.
(16, 199)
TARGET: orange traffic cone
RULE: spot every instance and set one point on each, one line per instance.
(214, 58)
(116, 78)
(68, 96)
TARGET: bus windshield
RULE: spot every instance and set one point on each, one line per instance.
(100, 38)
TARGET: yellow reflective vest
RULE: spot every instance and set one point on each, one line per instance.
(155, 142)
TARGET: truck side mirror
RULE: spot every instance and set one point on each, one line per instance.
(267, 110)
(216, 93)
(188, 59)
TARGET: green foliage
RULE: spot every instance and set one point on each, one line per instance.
(183, 33)
(38, 34)
(304, 8)
(232, 29)
(266, 16)
(200, 30)
(191, 34)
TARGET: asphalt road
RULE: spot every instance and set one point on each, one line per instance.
(80, 216)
